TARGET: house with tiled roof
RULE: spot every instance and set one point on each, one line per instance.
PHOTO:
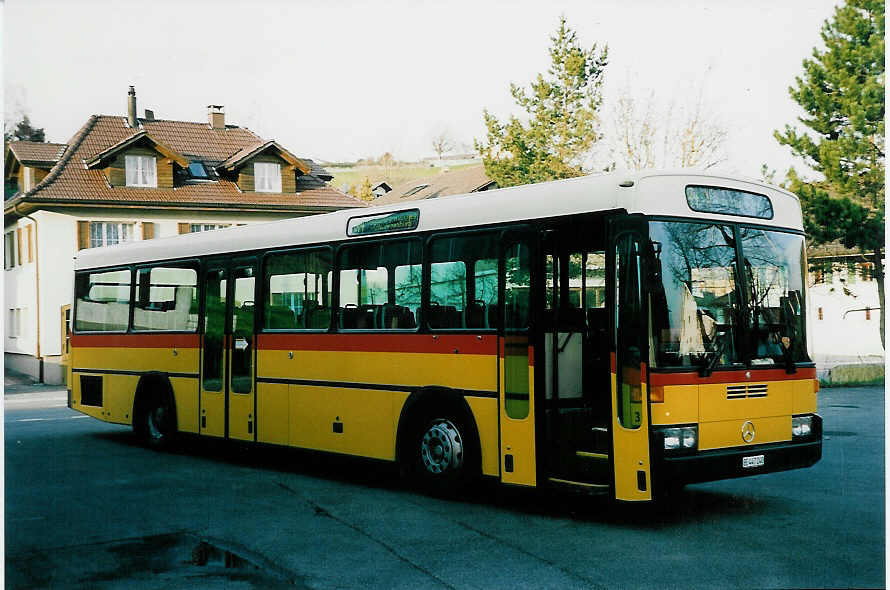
(123, 178)
(469, 179)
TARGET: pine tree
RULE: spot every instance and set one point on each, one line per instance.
(842, 94)
(24, 131)
(364, 190)
(562, 117)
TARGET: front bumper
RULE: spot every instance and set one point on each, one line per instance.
(727, 463)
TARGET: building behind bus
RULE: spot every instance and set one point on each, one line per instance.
(123, 178)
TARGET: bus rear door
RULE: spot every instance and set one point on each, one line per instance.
(228, 393)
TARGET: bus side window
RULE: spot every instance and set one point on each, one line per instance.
(463, 282)
(102, 301)
(380, 285)
(166, 299)
(298, 290)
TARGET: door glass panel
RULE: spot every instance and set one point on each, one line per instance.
(628, 311)
(516, 311)
(214, 322)
(242, 330)
(595, 280)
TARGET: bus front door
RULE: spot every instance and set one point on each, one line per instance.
(630, 400)
(516, 365)
(574, 362)
(228, 350)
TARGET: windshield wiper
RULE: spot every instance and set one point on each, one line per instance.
(708, 364)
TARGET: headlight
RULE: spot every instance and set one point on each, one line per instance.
(801, 426)
(685, 438)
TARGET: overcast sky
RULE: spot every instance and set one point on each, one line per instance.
(344, 80)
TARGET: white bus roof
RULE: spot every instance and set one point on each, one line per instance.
(650, 193)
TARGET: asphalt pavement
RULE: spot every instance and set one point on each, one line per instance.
(87, 507)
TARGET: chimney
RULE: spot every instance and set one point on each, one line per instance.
(131, 108)
(149, 115)
(216, 116)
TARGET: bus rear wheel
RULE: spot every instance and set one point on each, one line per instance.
(155, 424)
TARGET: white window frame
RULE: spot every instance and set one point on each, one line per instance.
(199, 227)
(141, 171)
(14, 323)
(111, 233)
(28, 179)
(266, 177)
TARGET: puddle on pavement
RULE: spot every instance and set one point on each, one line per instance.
(174, 561)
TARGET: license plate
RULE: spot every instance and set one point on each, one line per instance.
(754, 461)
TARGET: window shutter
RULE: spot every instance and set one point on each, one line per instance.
(184, 228)
(83, 235)
(18, 236)
(148, 230)
(30, 243)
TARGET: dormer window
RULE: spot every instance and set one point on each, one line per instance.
(142, 171)
(197, 171)
(267, 177)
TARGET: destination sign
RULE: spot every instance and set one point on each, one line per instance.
(383, 223)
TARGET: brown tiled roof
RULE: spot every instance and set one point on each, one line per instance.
(452, 182)
(70, 180)
(37, 152)
(318, 170)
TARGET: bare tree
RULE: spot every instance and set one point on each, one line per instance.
(442, 143)
(646, 136)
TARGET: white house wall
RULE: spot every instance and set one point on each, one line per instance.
(845, 333)
(20, 293)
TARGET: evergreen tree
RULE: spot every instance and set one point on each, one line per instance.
(24, 131)
(364, 190)
(842, 94)
(562, 117)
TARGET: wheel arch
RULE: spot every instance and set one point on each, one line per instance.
(154, 386)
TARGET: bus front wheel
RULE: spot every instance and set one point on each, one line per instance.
(443, 454)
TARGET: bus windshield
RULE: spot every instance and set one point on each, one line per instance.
(700, 315)
(774, 270)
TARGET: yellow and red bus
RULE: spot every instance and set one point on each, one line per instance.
(619, 334)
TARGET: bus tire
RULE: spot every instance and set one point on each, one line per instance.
(442, 452)
(154, 419)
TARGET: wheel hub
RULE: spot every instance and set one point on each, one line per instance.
(156, 421)
(441, 447)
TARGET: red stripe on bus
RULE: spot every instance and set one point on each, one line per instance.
(426, 343)
(735, 376)
(159, 340)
